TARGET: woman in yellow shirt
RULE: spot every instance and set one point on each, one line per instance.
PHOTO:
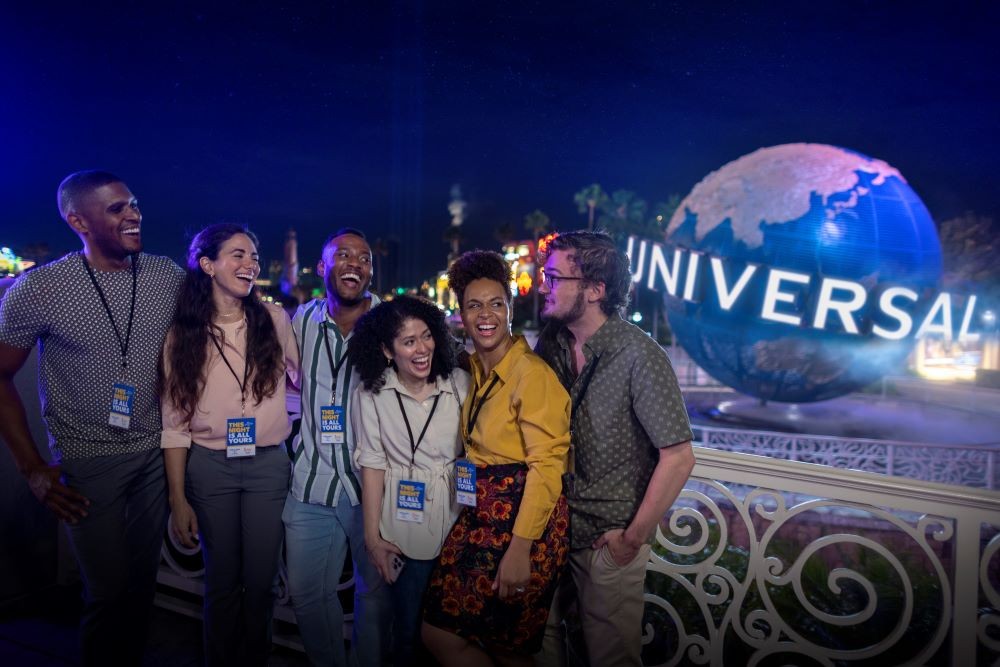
(491, 589)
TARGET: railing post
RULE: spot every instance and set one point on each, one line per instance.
(966, 594)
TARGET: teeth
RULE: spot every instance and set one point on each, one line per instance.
(487, 327)
(131, 231)
(351, 276)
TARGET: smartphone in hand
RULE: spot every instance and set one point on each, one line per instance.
(395, 567)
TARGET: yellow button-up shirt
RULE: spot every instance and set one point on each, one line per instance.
(524, 419)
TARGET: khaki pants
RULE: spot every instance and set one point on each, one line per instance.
(610, 601)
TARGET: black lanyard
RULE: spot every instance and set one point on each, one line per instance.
(475, 407)
(586, 384)
(123, 344)
(334, 368)
(409, 431)
(246, 374)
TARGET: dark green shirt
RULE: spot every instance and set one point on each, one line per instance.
(626, 406)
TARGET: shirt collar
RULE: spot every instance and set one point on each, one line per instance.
(392, 382)
(506, 365)
(321, 314)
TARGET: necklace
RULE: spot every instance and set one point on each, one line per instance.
(227, 316)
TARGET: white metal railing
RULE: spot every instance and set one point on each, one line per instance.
(965, 465)
(767, 561)
(764, 561)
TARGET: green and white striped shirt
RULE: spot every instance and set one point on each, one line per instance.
(322, 472)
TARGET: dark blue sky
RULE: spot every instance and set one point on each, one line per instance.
(315, 116)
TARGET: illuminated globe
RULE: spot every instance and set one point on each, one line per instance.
(809, 209)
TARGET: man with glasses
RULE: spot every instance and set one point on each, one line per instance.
(630, 444)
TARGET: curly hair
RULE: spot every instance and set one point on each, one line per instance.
(192, 327)
(477, 264)
(599, 261)
(379, 327)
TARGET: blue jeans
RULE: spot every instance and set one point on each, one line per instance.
(407, 603)
(316, 541)
(117, 546)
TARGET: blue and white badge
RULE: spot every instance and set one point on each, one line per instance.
(331, 424)
(410, 501)
(465, 482)
(122, 404)
(241, 437)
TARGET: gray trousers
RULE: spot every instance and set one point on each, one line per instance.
(238, 503)
(117, 546)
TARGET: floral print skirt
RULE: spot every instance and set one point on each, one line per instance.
(460, 598)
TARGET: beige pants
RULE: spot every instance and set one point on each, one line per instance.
(610, 601)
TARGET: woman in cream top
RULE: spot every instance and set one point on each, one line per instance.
(226, 362)
(405, 418)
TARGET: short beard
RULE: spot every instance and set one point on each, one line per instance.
(575, 312)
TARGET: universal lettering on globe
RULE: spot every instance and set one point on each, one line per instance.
(851, 305)
(802, 272)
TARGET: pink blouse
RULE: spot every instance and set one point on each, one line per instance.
(220, 397)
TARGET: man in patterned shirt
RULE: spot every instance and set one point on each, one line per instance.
(630, 443)
(323, 511)
(99, 318)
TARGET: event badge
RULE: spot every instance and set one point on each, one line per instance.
(410, 501)
(465, 482)
(331, 424)
(122, 404)
(241, 437)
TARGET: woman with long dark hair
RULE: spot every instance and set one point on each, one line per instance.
(405, 416)
(490, 592)
(225, 363)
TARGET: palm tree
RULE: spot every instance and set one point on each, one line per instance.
(588, 200)
(505, 233)
(624, 213)
(537, 223)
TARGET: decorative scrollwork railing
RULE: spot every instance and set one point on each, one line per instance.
(765, 562)
(963, 465)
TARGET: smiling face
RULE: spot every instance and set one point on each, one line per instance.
(412, 351)
(109, 220)
(235, 268)
(346, 268)
(486, 316)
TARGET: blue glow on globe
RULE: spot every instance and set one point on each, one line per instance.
(817, 210)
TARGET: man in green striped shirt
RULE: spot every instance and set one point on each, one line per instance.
(322, 514)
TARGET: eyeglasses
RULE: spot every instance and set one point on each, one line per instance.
(551, 281)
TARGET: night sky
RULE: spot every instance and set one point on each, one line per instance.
(319, 115)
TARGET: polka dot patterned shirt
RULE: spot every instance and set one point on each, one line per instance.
(626, 405)
(80, 359)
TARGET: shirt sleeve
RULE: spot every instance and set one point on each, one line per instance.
(176, 428)
(369, 451)
(542, 407)
(22, 315)
(293, 377)
(657, 400)
(293, 395)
